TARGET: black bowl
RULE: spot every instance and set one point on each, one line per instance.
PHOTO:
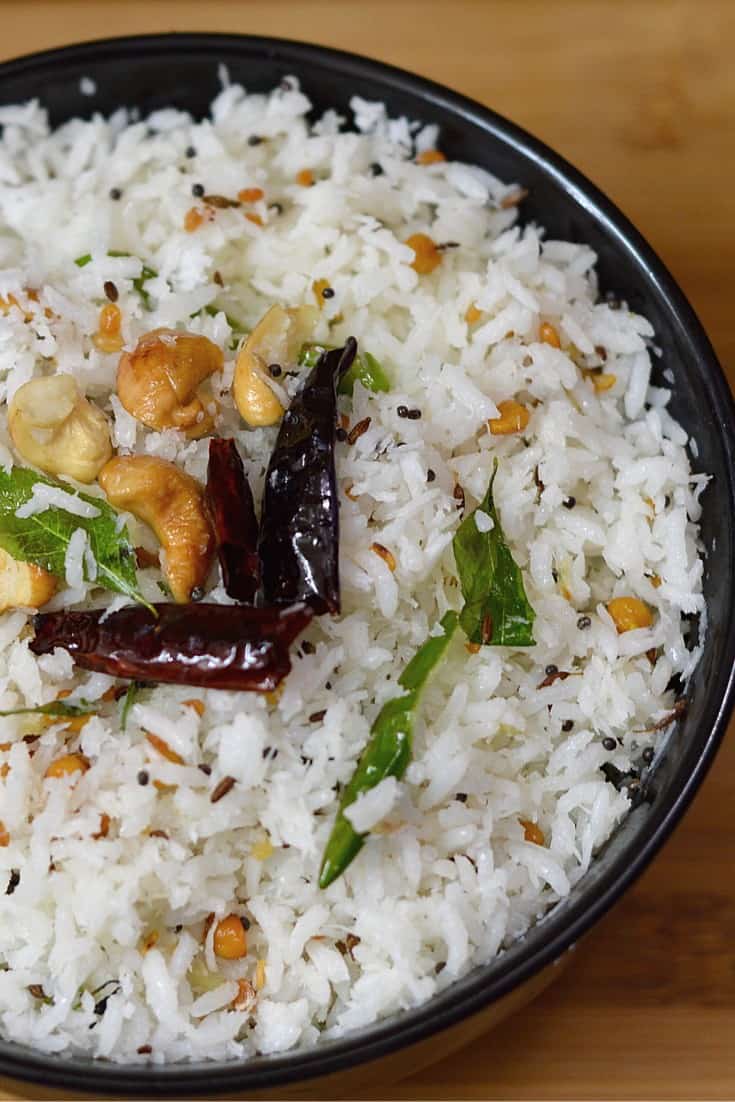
(153, 72)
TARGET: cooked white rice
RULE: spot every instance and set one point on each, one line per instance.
(447, 878)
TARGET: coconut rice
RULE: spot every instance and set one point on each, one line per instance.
(109, 882)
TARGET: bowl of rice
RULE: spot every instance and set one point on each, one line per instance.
(365, 566)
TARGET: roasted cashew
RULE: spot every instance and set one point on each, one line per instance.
(57, 429)
(172, 504)
(158, 382)
(276, 339)
(23, 585)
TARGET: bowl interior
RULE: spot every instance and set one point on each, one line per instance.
(148, 73)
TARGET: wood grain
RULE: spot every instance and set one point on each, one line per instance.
(641, 97)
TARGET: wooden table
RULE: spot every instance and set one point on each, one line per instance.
(640, 96)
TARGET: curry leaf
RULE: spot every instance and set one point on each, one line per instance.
(43, 538)
(388, 750)
(365, 369)
(139, 282)
(496, 609)
(310, 353)
(60, 708)
(427, 657)
(238, 329)
(235, 325)
(130, 698)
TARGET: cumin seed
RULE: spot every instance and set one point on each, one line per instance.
(358, 430)
(220, 202)
(221, 790)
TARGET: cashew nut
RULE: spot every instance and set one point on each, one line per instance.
(158, 382)
(57, 429)
(277, 338)
(172, 504)
(23, 585)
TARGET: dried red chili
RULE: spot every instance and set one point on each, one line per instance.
(299, 534)
(230, 501)
(213, 646)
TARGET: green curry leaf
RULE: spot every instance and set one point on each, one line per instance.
(388, 751)
(58, 708)
(139, 282)
(238, 329)
(43, 538)
(365, 369)
(496, 609)
(130, 698)
(236, 326)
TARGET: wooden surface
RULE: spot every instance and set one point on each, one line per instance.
(641, 97)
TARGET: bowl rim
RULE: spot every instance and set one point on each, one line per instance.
(477, 989)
